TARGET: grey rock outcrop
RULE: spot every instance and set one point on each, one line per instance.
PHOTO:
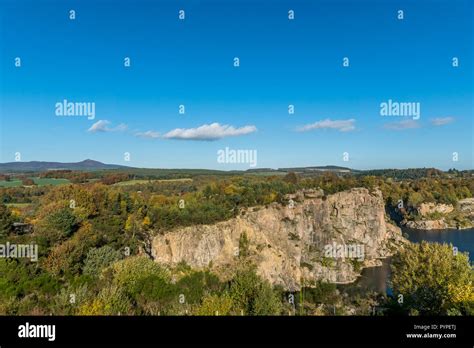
(291, 245)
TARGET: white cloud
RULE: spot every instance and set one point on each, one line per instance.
(148, 134)
(401, 125)
(340, 125)
(120, 128)
(441, 121)
(99, 126)
(102, 126)
(209, 132)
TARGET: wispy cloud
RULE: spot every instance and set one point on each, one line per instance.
(209, 132)
(120, 128)
(441, 121)
(99, 126)
(148, 134)
(340, 125)
(401, 125)
(103, 126)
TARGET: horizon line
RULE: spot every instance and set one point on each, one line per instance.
(227, 170)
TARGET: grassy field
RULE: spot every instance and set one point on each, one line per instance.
(146, 181)
(11, 183)
(50, 181)
(17, 205)
(37, 181)
(269, 173)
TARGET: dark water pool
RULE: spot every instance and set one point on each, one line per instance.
(376, 278)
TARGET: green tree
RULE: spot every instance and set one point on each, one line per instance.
(63, 221)
(155, 295)
(111, 300)
(433, 279)
(99, 258)
(252, 295)
(6, 220)
(215, 305)
(414, 199)
(130, 271)
(196, 284)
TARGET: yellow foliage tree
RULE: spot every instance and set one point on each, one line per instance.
(95, 307)
(215, 305)
(462, 293)
(146, 222)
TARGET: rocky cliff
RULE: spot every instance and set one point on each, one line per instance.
(439, 224)
(426, 209)
(329, 238)
(444, 216)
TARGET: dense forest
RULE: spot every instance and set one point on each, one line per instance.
(93, 236)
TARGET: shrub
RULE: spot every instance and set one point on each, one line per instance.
(215, 305)
(99, 258)
(253, 295)
(130, 271)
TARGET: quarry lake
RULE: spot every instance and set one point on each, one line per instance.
(376, 278)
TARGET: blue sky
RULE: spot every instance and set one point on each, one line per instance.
(282, 62)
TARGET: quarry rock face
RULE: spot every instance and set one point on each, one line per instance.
(313, 238)
(428, 224)
(467, 206)
(429, 208)
(463, 220)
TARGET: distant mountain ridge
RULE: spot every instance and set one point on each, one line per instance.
(90, 165)
(39, 166)
(329, 168)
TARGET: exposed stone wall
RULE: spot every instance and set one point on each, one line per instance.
(287, 243)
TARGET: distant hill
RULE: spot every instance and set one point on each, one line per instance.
(38, 166)
(336, 169)
(304, 169)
